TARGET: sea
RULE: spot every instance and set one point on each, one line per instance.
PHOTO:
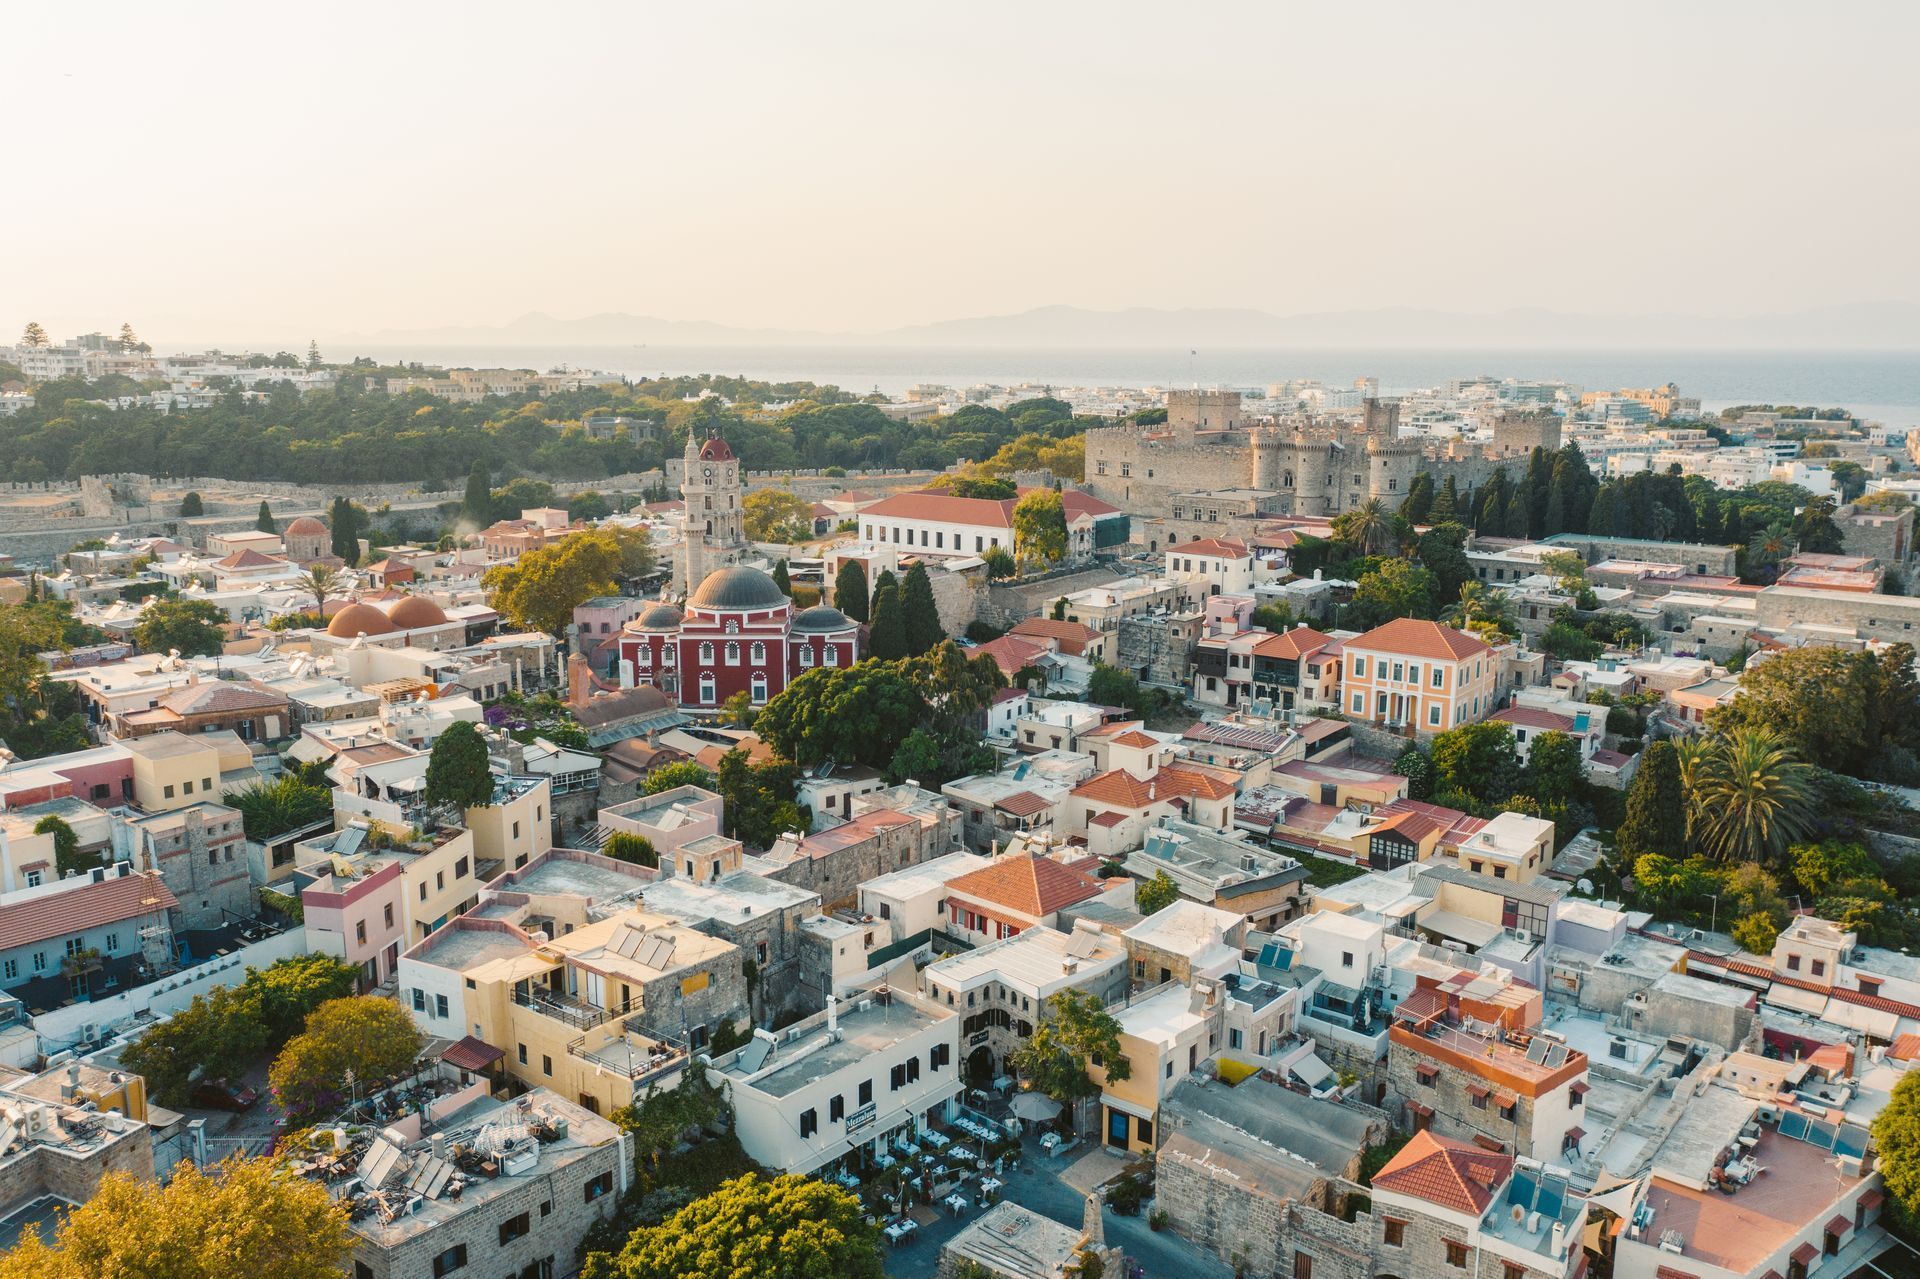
(1882, 386)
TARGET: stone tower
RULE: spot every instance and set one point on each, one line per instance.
(714, 492)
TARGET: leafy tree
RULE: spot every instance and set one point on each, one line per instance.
(66, 846)
(1857, 713)
(1486, 613)
(458, 771)
(1277, 618)
(1441, 550)
(758, 801)
(1566, 642)
(365, 1039)
(264, 520)
(1000, 564)
(1039, 530)
(626, 846)
(862, 713)
(1756, 932)
(1815, 530)
(1751, 797)
(1113, 686)
(1419, 499)
(319, 580)
(541, 589)
(477, 505)
(34, 335)
(991, 488)
(918, 759)
(1075, 1032)
(777, 515)
(1478, 760)
(887, 638)
(1413, 764)
(1156, 894)
(1059, 613)
(237, 1220)
(191, 505)
(782, 579)
(1656, 806)
(129, 340)
(192, 627)
(269, 810)
(588, 506)
(850, 590)
(1850, 478)
(1398, 588)
(1830, 867)
(684, 772)
(786, 1227)
(1554, 769)
(286, 992)
(1896, 1134)
(919, 613)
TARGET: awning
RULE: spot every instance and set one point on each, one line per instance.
(1311, 1071)
(471, 1054)
(1580, 1088)
(1449, 923)
(1426, 1070)
(1479, 1090)
(1668, 1272)
(1494, 1144)
(1574, 1136)
(1502, 1098)
(1804, 1253)
(1420, 1108)
(1126, 1107)
(1781, 995)
(1839, 1226)
(1873, 1199)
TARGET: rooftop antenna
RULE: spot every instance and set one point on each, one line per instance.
(1195, 381)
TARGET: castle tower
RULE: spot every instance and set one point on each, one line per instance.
(714, 522)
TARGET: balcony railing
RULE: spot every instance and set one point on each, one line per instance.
(577, 1013)
(630, 1050)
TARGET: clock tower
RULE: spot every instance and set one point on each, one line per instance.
(715, 528)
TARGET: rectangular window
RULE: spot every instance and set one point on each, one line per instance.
(1819, 967)
(515, 1227)
(837, 1108)
(597, 1187)
(546, 1066)
(866, 1092)
(1396, 1233)
(809, 1123)
(454, 1258)
(1456, 1254)
(460, 869)
(440, 1005)
(1793, 963)
(360, 931)
(1359, 666)
(897, 1078)
(419, 1000)
(1439, 678)
(388, 912)
(1302, 1266)
(523, 1054)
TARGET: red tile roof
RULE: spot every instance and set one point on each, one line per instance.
(1533, 717)
(945, 508)
(1031, 885)
(1415, 638)
(1134, 737)
(1119, 788)
(75, 910)
(1072, 636)
(1223, 548)
(248, 559)
(1075, 503)
(1298, 642)
(1010, 653)
(1905, 1048)
(1189, 781)
(1452, 1174)
(471, 1054)
(1023, 803)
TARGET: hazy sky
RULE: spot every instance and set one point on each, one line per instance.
(273, 171)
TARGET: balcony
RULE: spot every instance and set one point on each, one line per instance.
(577, 1013)
(631, 1051)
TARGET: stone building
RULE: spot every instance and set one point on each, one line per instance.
(1309, 466)
(714, 492)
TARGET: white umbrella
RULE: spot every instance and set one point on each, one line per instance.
(1035, 1105)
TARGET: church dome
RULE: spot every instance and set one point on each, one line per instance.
(737, 588)
(359, 618)
(657, 617)
(715, 450)
(306, 526)
(822, 618)
(411, 612)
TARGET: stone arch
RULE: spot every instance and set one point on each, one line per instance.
(1286, 481)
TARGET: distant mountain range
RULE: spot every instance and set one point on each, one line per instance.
(1857, 326)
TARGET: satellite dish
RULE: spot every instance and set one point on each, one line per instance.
(1585, 887)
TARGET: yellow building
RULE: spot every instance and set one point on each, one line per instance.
(1165, 1036)
(172, 770)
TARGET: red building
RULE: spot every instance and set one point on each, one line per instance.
(739, 634)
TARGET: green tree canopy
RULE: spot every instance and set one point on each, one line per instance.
(919, 612)
(626, 846)
(458, 771)
(684, 772)
(785, 1227)
(263, 522)
(192, 627)
(1039, 530)
(1156, 894)
(1855, 712)
(1398, 588)
(66, 845)
(1476, 760)
(1656, 820)
(351, 1044)
(887, 636)
(1413, 764)
(191, 505)
(1075, 1032)
(850, 590)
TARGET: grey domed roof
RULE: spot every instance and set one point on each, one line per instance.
(657, 617)
(737, 588)
(821, 618)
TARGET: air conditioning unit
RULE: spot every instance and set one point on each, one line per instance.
(1523, 936)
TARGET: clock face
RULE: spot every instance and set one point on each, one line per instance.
(708, 472)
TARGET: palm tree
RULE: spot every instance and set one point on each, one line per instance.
(1751, 795)
(1370, 526)
(1481, 608)
(319, 579)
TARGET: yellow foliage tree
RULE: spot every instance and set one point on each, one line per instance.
(242, 1219)
(367, 1035)
(775, 514)
(540, 590)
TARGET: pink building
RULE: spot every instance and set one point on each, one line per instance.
(361, 920)
(670, 820)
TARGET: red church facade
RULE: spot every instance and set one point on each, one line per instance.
(739, 634)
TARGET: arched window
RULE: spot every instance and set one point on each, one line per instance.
(643, 656)
(669, 653)
(759, 688)
(733, 626)
(1286, 481)
(706, 689)
(706, 652)
(832, 655)
(733, 652)
(758, 653)
(709, 528)
(806, 655)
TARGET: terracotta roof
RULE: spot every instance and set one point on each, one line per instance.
(629, 703)
(1074, 633)
(1411, 825)
(1415, 638)
(1010, 653)
(1452, 1174)
(1189, 781)
(1074, 503)
(305, 526)
(1023, 803)
(1108, 818)
(1298, 642)
(1905, 1048)
(75, 910)
(1226, 548)
(1533, 717)
(221, 696)
(1114, 728)
(1134, 737)
(471, 1054)
(946, 509)
(1031, 885)
(248, 559)
(1119, 788)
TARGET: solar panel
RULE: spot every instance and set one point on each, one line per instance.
(1556, 1056)
(1551, 1198)
(1269, 955)
(1852, 1140)
(755, 1054)
(627, 944)
(1522, 1188)
(1820, 1133)
(1537, 1052)
(1793, 1124)
(1081, 945)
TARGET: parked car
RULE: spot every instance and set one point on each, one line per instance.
(217, 1095)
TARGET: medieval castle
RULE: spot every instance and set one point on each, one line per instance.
(1295, 466)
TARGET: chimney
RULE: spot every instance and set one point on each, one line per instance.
(1092, 1225)
(833, 1015)
(439, 1145)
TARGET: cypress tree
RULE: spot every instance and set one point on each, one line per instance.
(850, 590)
(782, 580)
(919, 614)
(264, 520)
(1556, 516)
(1656, 808)
(888, 637)
(1445, 508)
(1519, 513)
(1419, 499)
(477, 505)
